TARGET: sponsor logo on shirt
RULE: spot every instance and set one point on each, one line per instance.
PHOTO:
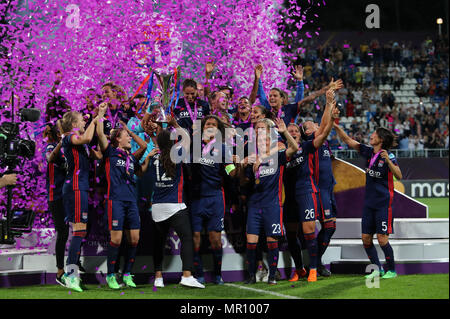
(373, 173)
(295, 162)
(123, 163)
(206, 161)
(185, 114)
(267, 172)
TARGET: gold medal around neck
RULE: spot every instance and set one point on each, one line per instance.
(257, 181)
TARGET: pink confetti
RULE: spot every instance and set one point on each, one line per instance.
(97, 50)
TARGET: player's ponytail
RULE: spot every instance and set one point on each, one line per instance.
(165, 145)
(388, 138)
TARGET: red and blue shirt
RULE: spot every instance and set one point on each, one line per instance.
(77, 158)
(379, 178)
(267, 188)
(56, 174)
(208, 170)
(166, 189)
(183, 116)
(120, 167)
(302, 164)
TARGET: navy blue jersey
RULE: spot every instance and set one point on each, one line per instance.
(324, 170)
(166, 189)
(183, 116)
(208, 171)
(77, 157)
(120, 167)
(379, 178)
(303, 163)
(56, 174)
(288, 113)
(268, 188)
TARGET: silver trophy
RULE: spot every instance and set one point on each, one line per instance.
(167, 90)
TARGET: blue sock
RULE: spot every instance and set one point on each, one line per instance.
(389, 255)
(311, 244)
(373, 255)
(323, 240)
(198, 264)
(251, 258)
(113, 252)
(129, 260)
(217, 253)
(272, 257)
(295, 249)
(75, 247)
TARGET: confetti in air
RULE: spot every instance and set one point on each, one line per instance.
(61, 49)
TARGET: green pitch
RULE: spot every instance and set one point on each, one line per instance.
(336, 287)
(437, 207)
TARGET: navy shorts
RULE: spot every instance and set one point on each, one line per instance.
(122, 214)
(76, 206)
(308, 206)
(269, 218)
(209, 209)
(377, 220)
(328, 203)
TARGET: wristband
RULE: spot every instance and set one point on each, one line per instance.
(229, 168)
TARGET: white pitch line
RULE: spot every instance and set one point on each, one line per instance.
(263, 291)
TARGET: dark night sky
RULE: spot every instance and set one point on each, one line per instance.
(396, 15)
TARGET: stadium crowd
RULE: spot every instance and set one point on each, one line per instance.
(395, 84)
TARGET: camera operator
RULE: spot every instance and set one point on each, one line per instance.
(8, 179)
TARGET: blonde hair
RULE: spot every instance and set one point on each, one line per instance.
(68, 119)
(267, 122)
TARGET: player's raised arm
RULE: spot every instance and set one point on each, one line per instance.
(393, 167)
(292, 144)
(209, 68)
(143, 168)
(103, 141)
(298, 75)
(256, 85)
(345, 138)
(331, 113)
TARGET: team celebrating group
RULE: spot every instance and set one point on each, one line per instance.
(253, 156)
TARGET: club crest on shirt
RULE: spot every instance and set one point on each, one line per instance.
(380, 163)
(84, 215)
